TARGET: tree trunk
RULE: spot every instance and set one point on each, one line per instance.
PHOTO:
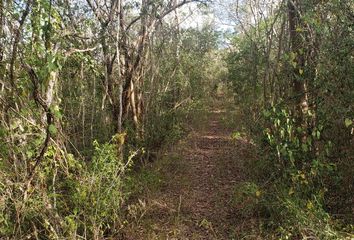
(299, 83)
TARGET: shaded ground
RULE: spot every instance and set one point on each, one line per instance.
(195, 199)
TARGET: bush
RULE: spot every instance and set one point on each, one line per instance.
(289, 183)
(68, 199)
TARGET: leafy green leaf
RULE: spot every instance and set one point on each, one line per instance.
(56, 111)
(52, 129)
(348, 122)
(266, 113)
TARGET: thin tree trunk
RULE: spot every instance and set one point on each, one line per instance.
(16, 41)
(1, 30)
(120, 93)
(299, 83)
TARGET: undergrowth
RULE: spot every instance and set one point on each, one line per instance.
(287, 181)
(68, 199)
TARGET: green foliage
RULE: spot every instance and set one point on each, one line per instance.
(80, 61)
(162, 123)
(137, 183)
(185, 76)
(69, 198)
(300, 218)
(306, 152)
(247, 197)
(97, 197)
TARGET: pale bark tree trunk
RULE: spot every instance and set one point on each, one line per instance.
(120, 93)
(16, 41)
(125, 93)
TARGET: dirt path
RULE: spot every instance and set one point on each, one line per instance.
(195, 200)
(213, 174)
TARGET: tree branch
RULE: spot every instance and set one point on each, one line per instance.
(49, 115)
(164, 14)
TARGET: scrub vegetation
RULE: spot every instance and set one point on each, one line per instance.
(176, 119)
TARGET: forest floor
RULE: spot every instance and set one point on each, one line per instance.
(193, 196)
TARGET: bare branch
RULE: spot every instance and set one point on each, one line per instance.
(74, 50)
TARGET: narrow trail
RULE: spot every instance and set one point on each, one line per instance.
(213, 174)
(196, 200)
